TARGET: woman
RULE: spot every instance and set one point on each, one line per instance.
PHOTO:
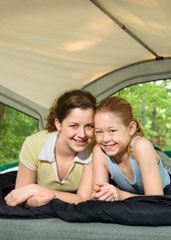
(56, 162)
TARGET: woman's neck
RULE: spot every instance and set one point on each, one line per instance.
(61, 149)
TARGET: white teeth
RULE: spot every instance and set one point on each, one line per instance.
(80, 141)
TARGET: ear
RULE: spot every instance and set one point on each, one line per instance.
(57, 124)
(132, 128)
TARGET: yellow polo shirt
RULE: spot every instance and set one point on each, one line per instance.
(37, 153)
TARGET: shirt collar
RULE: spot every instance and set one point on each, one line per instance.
(47, 152)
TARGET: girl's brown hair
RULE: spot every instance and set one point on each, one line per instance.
(65, 103)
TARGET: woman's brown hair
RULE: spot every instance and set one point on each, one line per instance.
(65, 103)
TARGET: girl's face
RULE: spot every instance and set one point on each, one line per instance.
(77, 129)
(111, 134)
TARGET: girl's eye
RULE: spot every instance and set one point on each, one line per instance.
(112, 130)
(98, 132)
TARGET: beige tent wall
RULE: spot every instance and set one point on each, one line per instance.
(135, 73)
(51, 46)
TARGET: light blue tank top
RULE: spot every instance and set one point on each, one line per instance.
(123, 183)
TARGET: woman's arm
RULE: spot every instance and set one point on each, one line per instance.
(25, 176)
(83, 193)
(27, 191)
(24, 186)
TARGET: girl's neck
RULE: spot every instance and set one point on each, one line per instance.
(122, 157)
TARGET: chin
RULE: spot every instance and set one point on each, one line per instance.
(109, 152)
(80, 148)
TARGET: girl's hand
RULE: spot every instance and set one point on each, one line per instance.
(40, 198)
(106, 192)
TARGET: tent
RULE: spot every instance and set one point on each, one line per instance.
(50, 46)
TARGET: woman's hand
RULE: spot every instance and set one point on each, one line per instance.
(106, 192)
(37, 193)
(40, 198)
(20, 195)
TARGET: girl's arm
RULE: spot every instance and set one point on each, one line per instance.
(102, 189)
(100, 166)
(101, 176)
(147, 160)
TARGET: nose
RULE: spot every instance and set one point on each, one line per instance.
(81, 132)
(106, 137)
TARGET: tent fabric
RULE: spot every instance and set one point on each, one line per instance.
(50, 46)
(57, 229)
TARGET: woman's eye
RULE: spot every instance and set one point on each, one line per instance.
(90, 126)
(73, 126)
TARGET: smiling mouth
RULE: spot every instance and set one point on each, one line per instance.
(81, 141)
(109, 146)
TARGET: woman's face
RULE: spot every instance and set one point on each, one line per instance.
(77, 129)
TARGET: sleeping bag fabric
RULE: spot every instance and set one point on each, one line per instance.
(135, 211)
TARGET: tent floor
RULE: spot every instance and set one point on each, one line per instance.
(15, 229)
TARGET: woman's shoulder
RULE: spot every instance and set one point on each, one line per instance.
(40, 136)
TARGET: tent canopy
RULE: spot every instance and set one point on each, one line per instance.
(51, 46)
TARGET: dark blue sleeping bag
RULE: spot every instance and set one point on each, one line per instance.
(135, 211)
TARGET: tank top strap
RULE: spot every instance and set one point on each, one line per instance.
(132, 142)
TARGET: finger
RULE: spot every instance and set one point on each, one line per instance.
(110, 198)
(105, 188)
(105, 196)
(97, 188)
(11, 202)
(100, 194)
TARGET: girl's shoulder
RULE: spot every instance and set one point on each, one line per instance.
(142, 146)
(97, 149)
(140, 142)
(99, 154)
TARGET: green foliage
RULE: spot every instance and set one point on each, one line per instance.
(151, 103)
(144, 98)
(16, 126)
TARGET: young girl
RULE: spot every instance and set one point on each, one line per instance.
(124, 156)
(55, 162)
